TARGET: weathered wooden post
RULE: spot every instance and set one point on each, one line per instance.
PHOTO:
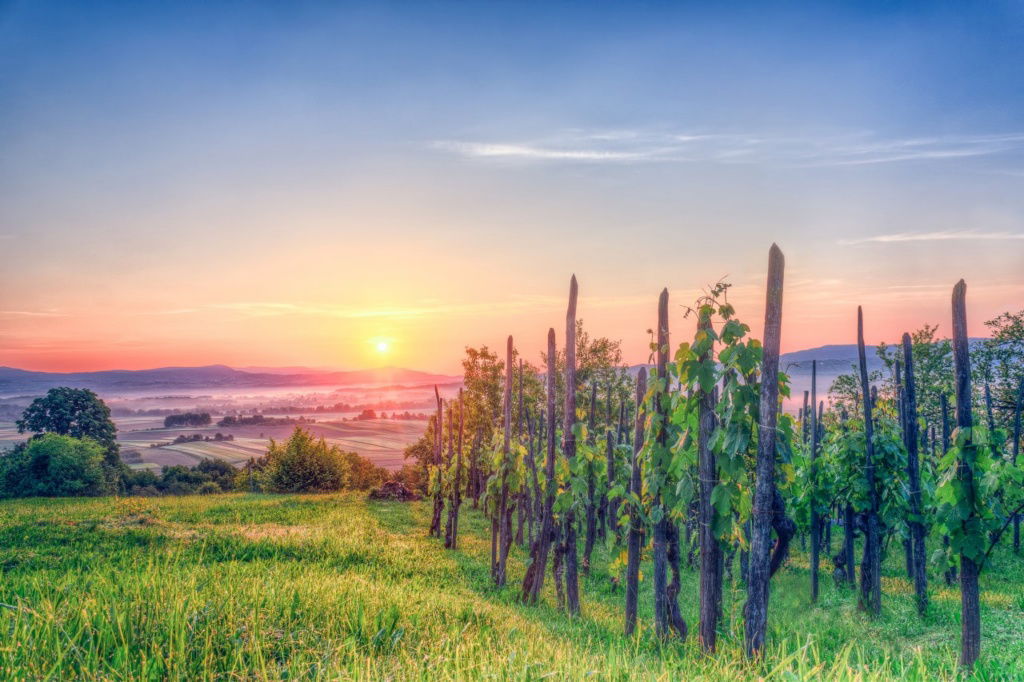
(572, 587)
(1015, 452)
(870, 568)
(660, 534)
(914, 478)
(505, 511)
(534, 580)
(435, 523)
(636, 532)
(815, 530)
(591, 507)
(521, 495)
(453, 537)
(610, 506)
(950, 573)
(756, 609)
(710, 549)
(970, 614)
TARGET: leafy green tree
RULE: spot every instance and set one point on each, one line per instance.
(54, 465)
(75, 412)
(1000, 363)
(933, 369)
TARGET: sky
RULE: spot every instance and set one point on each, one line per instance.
(356, 185)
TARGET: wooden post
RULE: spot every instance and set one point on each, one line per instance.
(756, 609)
(611, 506)
(521, 506)
(504, 510)
(870, 568)
(452, 540)
(572, 588)
(970, 614)
(1016, 451)
(633, 544)
(710, 549)
(916, 524)
(950, 573)
(803, 419)
(908, 543)
(815, 532)
(660, 539)
(988, 410)
(591, 506)
(534, 580)
(435, 523)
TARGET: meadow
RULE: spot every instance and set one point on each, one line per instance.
(232, 587)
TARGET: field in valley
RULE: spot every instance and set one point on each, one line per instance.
(238, 587)
(382, 441)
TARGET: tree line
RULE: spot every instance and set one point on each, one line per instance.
(72, 451)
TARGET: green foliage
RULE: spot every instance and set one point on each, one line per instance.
(933, 369)
(841, 472)
(54, 465)
(721, 356)
(969, 513)
(999, 361)
(75, 412)
(303, 463)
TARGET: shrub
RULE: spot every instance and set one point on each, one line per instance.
(364, 474)
(209, 488)
(54, 465)
(304, 464)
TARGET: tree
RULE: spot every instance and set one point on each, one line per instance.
(304, 464)
(54, 465)
(933, 369)
(75, 412)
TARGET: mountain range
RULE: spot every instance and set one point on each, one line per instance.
(833, 360)
(14, 380)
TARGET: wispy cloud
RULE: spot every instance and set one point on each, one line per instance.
(944, 236)
(32, 313)
(537, 153)
(638, 146)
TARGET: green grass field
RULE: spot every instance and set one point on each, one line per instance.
(237, 587)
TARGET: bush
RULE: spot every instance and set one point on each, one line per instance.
(54, 465)
(209, 488)
(364, 474)
(304, 464)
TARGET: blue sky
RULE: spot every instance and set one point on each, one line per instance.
(283, 169)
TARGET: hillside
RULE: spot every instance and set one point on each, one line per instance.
(334, 587)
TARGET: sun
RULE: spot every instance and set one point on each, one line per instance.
(382, 346)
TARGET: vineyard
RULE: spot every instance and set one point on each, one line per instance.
(693, 467)
(584, 519)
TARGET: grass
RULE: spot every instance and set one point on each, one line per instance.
(240, 587)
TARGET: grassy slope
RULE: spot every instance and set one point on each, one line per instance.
(244, 587)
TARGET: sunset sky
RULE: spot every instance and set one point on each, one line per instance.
(345, 185)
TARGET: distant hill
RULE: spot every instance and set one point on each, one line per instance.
(212, 376)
